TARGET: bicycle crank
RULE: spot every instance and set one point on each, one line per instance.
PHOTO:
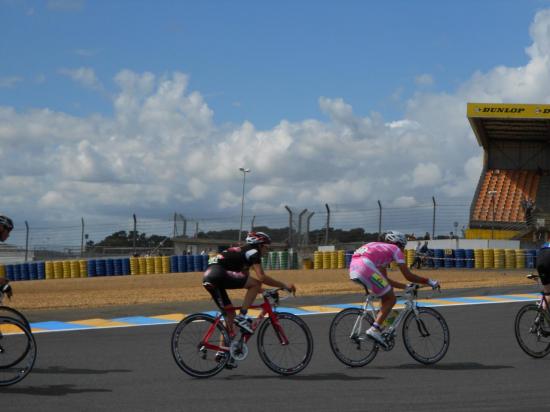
(390, 341)
(238, 350)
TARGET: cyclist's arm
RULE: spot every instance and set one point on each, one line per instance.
(392, 282)
(411, 277)
(268, 280)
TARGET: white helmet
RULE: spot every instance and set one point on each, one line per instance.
(395, 237)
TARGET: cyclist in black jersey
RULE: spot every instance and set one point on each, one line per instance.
(543, 268)
(230, 269)
(6, 226)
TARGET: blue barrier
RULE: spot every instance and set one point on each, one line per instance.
(92, 268)
(198, 263)
(182, 263)
(347, 258)
(470, 258)
(109, 267)
(205, 262)
(10, 272)
(33, 271)
(439, 255)
(190, 263)
(126, 266)
(173, 264)
(460, 256)
(41, 270)
(24, 271)
(531, 258)
(117, 267)
(100, 267)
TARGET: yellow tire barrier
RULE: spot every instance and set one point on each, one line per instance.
(83, 268)
(478, 259)
(488, 259)
(341, 259)
(509, 258)
(317, 260)
(499, 258)
(74, 268)
(166, 264)
(66, 264)
(520, 259)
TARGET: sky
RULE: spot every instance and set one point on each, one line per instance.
(109, 108)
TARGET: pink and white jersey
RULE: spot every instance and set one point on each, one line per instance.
(380, 253)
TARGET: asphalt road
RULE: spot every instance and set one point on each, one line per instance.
(131, 369)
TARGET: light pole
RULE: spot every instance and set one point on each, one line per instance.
(492, 193)
(245, 171)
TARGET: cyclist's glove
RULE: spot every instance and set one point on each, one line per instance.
(6, 289)
(433, 283)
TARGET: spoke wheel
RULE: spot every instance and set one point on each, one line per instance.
(351, 345)
(8, 312)
(532, 329)
(17, 351)
(292, 356)
(189, 352)
(426, 335)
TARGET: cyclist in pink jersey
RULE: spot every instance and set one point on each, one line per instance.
(368, 267)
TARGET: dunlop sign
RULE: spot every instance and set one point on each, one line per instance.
(496, 110)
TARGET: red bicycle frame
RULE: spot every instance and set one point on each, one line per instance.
(266, 309)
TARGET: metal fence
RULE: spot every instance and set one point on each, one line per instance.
(432, 217)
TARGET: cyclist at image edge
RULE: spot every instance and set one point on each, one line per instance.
(230, 269)
(6, 226)
(368, 266)
(543, 268)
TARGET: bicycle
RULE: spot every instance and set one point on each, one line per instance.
(17, 344)
(532, 326)
(202, 345)
(10, 312)
(425, 332)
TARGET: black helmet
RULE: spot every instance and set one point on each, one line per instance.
(6, 222)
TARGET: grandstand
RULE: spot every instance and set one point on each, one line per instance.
(512, 198)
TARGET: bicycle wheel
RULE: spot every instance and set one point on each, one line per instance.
(8, 312)
(531, 334)
(289, 358)
(14, 345)
(353, 348)
(188, 345)
(17, 351)
(426, 335)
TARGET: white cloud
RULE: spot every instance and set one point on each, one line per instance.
(83, 75)
(426, 174)
(9, 81)
(424, 79)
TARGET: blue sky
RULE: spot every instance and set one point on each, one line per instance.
(259, 61)
(109, 108)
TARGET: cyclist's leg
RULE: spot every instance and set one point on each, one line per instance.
(252, 287)
(363, 270)
(213, 282)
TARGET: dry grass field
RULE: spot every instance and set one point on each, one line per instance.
(178, 287)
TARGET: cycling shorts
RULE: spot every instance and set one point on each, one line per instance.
(543, 266)
(365, 271)
(217, 279)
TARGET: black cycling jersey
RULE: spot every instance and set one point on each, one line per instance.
(543, 265)
(237, 259)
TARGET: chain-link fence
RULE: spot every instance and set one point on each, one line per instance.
(303, 227)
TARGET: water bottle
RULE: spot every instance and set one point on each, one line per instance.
(390, 319)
